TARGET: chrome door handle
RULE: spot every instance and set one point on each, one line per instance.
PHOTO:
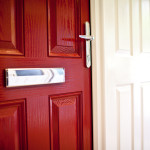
(88, 39)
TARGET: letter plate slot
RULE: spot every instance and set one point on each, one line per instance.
(34, 76)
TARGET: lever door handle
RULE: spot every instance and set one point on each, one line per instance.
(88, 39)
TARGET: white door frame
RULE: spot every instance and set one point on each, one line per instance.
(97, 74)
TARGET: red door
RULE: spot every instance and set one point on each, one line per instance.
(44, 34)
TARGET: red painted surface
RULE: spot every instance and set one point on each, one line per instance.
(55, 116)
(12, 125)
(64, 28)
(11, 27)
(66, 121)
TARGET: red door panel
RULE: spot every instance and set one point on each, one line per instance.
(64, 28)
(11, 27)
(13, 125)
(44, 34)
(66, 121)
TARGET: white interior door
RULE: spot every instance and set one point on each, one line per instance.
(125, 49)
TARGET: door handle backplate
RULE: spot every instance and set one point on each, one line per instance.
(88, 39)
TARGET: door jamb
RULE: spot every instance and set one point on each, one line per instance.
(97, 74)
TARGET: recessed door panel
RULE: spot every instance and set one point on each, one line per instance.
(12, 125)
(63, 25)
(11, 27)
(66, 122)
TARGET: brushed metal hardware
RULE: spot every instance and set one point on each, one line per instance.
(34, 76)
(88, 39)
